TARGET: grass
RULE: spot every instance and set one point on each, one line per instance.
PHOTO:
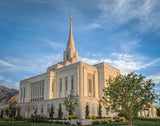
(138, 123)
(22, 123)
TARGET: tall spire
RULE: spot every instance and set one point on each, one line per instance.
(70, 43)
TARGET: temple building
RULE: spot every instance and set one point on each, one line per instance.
(87, 82)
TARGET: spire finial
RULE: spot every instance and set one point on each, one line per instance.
(70, 43)
(71, 17)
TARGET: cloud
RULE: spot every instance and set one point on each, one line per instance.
(93, 26)
(144, 12)
(155, 78)
(130, 45)
(9, 83)
(123, 61)
(54, 45)
(1, 78)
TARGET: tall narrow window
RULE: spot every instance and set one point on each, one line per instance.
(60, 81)
(21, 92)
(66, 82)
(48, 107)
(38, 90)
(72, 82)
(89, 85)
(67, 56)
(41, 108)
(42, 89)
(24, 94)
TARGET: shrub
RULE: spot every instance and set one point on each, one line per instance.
(110, 120)
(148, 119)
(93, 117)
(73, 117)
(96, 122)
(122, 119)
(89, 117)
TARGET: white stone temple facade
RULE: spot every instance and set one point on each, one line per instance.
(87, 82)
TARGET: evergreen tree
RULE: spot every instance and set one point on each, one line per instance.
(60, 113)
(51, 111)
(100, 109)
(2, 112)
(87, 110)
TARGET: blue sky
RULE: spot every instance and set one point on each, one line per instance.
(123, 33)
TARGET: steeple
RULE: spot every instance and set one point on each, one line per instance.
(70, 43)
(70, 54)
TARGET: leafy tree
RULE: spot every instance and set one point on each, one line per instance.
(60, 113)
(100, 109)
(87, 110)
(2, 112)
(51, 111)
(71, 103)
(129, 94)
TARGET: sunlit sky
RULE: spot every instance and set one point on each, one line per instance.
(122, 33)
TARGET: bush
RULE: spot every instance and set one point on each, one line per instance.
(122, 119)
(73, 117)
(93, 117)
(89, 117)
(38, 119)
(110, 120)
(105, 121)
(96, 122)
(148, 119)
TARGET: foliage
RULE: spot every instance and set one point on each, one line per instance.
(71, 103)
(38, 119)
(6, 111)
(2, 112)
(100, 109)
(18, 112)
(87, 110)
(60, 113)
(12, 109)
(148, 119)
(73, 117)
(158, 111)
(51, 111)
(122, 119)
(121, 114)
(129, 93)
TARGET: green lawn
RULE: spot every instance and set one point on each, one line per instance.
(138, 123)
(27, 124)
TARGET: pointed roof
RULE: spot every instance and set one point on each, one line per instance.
(70, 43)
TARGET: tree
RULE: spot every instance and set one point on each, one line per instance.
(12, 109)
(60, 113)
(6, 111)
(2, 112)
(18, 112)
(71, 103)
(51, 111)
(87, 110)
(100, 109)
(129, 94)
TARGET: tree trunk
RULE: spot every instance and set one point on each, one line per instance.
(130, 122)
